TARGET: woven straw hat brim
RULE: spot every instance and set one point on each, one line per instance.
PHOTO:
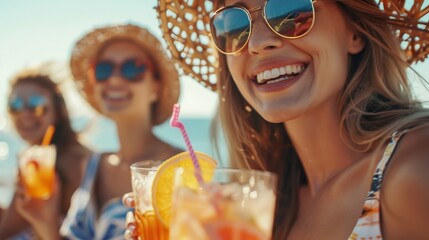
(186, 29)
(87, 48)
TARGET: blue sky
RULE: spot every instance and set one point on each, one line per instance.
(36, 31)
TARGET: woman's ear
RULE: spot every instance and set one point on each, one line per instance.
(356, 43)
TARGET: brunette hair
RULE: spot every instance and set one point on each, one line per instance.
(64, 135)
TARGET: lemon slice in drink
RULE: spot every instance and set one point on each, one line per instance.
(162, 187)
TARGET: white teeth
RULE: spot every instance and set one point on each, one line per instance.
(295, 69)
(116, 94)
(271, 74)
(277, 80)
(275, 72)
(267, 74)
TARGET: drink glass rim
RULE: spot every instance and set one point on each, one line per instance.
(237, 172)
(146, 165)
(246, 171)
(249, 171)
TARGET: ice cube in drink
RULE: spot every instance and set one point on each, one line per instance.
(238, 204)
(148, 224)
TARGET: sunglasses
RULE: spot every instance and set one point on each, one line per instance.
(231, 26)
(37, 104)
(131, 70)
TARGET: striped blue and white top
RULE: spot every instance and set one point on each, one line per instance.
(81, 221)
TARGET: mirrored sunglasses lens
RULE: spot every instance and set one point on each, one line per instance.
(103, 70)
(290, 19)
(230, 29)
(132, 70)
(37, 104)
(16, 105)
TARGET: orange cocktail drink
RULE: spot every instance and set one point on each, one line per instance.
(197, 201)
(37, 170)
(216, 204)
(148, 224)
(153, 187)
(150, 227)
(234, 205)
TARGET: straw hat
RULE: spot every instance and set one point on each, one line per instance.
(186, 29)
(87, 48)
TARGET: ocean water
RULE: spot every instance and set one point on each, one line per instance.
(100, 135)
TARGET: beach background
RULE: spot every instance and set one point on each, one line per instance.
(34, 32)
(37, 32)
(100, 135)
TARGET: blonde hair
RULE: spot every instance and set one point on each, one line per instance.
(376, 101)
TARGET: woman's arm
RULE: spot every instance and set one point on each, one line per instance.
(12, 222)
(42, 215)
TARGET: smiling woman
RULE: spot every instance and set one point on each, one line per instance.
(317, 92)
(124, 73)
(34, 104)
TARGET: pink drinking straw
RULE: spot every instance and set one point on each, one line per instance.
(174, 122)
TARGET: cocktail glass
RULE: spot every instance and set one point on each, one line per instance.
(149, 226)
(37, 170)
(236, 205)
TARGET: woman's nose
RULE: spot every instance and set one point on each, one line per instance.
(262, 37)
(26, 113)
(116, 77)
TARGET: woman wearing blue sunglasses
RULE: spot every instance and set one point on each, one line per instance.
(317, 92)
(34, 103)
(124, 74)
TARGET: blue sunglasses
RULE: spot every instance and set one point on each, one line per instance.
(35, 103)
(231, 26)
(131, 70)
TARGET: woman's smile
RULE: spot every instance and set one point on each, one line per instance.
(278, 78)
(114, 98)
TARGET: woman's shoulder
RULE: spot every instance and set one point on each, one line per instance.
(106, 155)
(74, 157)
(410, 161)
(413, 151)
(103, 159)
(405, 192)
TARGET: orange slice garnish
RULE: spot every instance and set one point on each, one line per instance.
(162, 187)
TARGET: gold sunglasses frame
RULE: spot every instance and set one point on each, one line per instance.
(249, 17)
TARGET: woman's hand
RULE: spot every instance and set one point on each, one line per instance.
(131, 224)
(43, 215)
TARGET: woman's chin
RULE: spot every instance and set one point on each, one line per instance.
(276, 116)
(31, 139)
